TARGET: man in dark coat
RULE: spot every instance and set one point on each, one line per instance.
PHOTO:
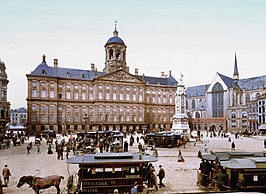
(161, 176)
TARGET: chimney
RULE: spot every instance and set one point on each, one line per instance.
(170, 73)
(55, 62)
(162, 74)
(136, 71)
(92, 67)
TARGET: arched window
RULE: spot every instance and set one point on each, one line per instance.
(193, 104)
(186, 104)
(111, 54)
(197, 115)
(68, 74)
(247, 98)
(217, 100)
(43, 72)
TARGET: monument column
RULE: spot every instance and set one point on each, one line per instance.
(180, 119)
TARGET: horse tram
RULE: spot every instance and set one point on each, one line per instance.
(107, 172)
(88, 141)
(240, 171)
(164, 139)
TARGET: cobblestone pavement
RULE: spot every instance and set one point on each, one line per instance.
(181, 177)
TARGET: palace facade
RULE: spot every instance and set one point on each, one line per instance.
(70, 100)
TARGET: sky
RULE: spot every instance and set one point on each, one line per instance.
(194, 37)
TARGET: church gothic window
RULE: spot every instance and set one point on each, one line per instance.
(247, 98)
(217, 100)
(193, 104)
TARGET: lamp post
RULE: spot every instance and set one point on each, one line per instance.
(86, 118)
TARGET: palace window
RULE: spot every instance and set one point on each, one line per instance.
(76, 95)
(33, 83)
(34, 93)
(114, 96)
(51, 117)
(42, 117)
(51, 108)
(83, 96)
(43, 107)
(121, 97)
(68, 95)
(51, 94)
(140, 98)
(127, 97)
(100, 96)
(107, 96)
(43, 93)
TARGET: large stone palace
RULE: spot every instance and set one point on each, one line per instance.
(71, 100)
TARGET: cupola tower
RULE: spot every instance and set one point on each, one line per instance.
(115, 53)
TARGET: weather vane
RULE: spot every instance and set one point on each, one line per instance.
(181, 77)
(115, 24)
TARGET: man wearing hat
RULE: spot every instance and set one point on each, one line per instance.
(6, 173)
(161, 176)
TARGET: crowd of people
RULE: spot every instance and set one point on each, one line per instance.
(212, 174)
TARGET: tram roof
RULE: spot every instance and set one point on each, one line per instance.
(244, 163)
(227, 155)
(110, 158)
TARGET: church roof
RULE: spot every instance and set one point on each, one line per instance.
(61, 72)
(253, 83)
(229, 82)
(197, 90)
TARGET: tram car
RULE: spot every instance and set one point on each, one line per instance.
(165, 139)
(105, 172)
(245, 171)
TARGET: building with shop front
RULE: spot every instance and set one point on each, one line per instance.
(18, 116)
(227, 103)
(71, 100)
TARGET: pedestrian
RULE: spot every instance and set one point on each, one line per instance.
(139, 147)
(28, 149)
(155, 152)
(1, 188)
(6, 174)
(38, 148)
(134, 189)
(233, 146)
(161, 176)
(205, 169)
(221, 180)
(125, 146)
(180, 157)
(206, 149)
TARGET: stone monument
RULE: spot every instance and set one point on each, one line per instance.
(180, 119)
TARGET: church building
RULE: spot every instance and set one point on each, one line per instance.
(227, 103)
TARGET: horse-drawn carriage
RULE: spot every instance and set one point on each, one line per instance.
(105, 172)
(245, 171)
(165, 139)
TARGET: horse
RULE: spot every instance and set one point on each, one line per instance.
(37, 183)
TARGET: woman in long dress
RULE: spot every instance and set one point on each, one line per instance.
(180, 157)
